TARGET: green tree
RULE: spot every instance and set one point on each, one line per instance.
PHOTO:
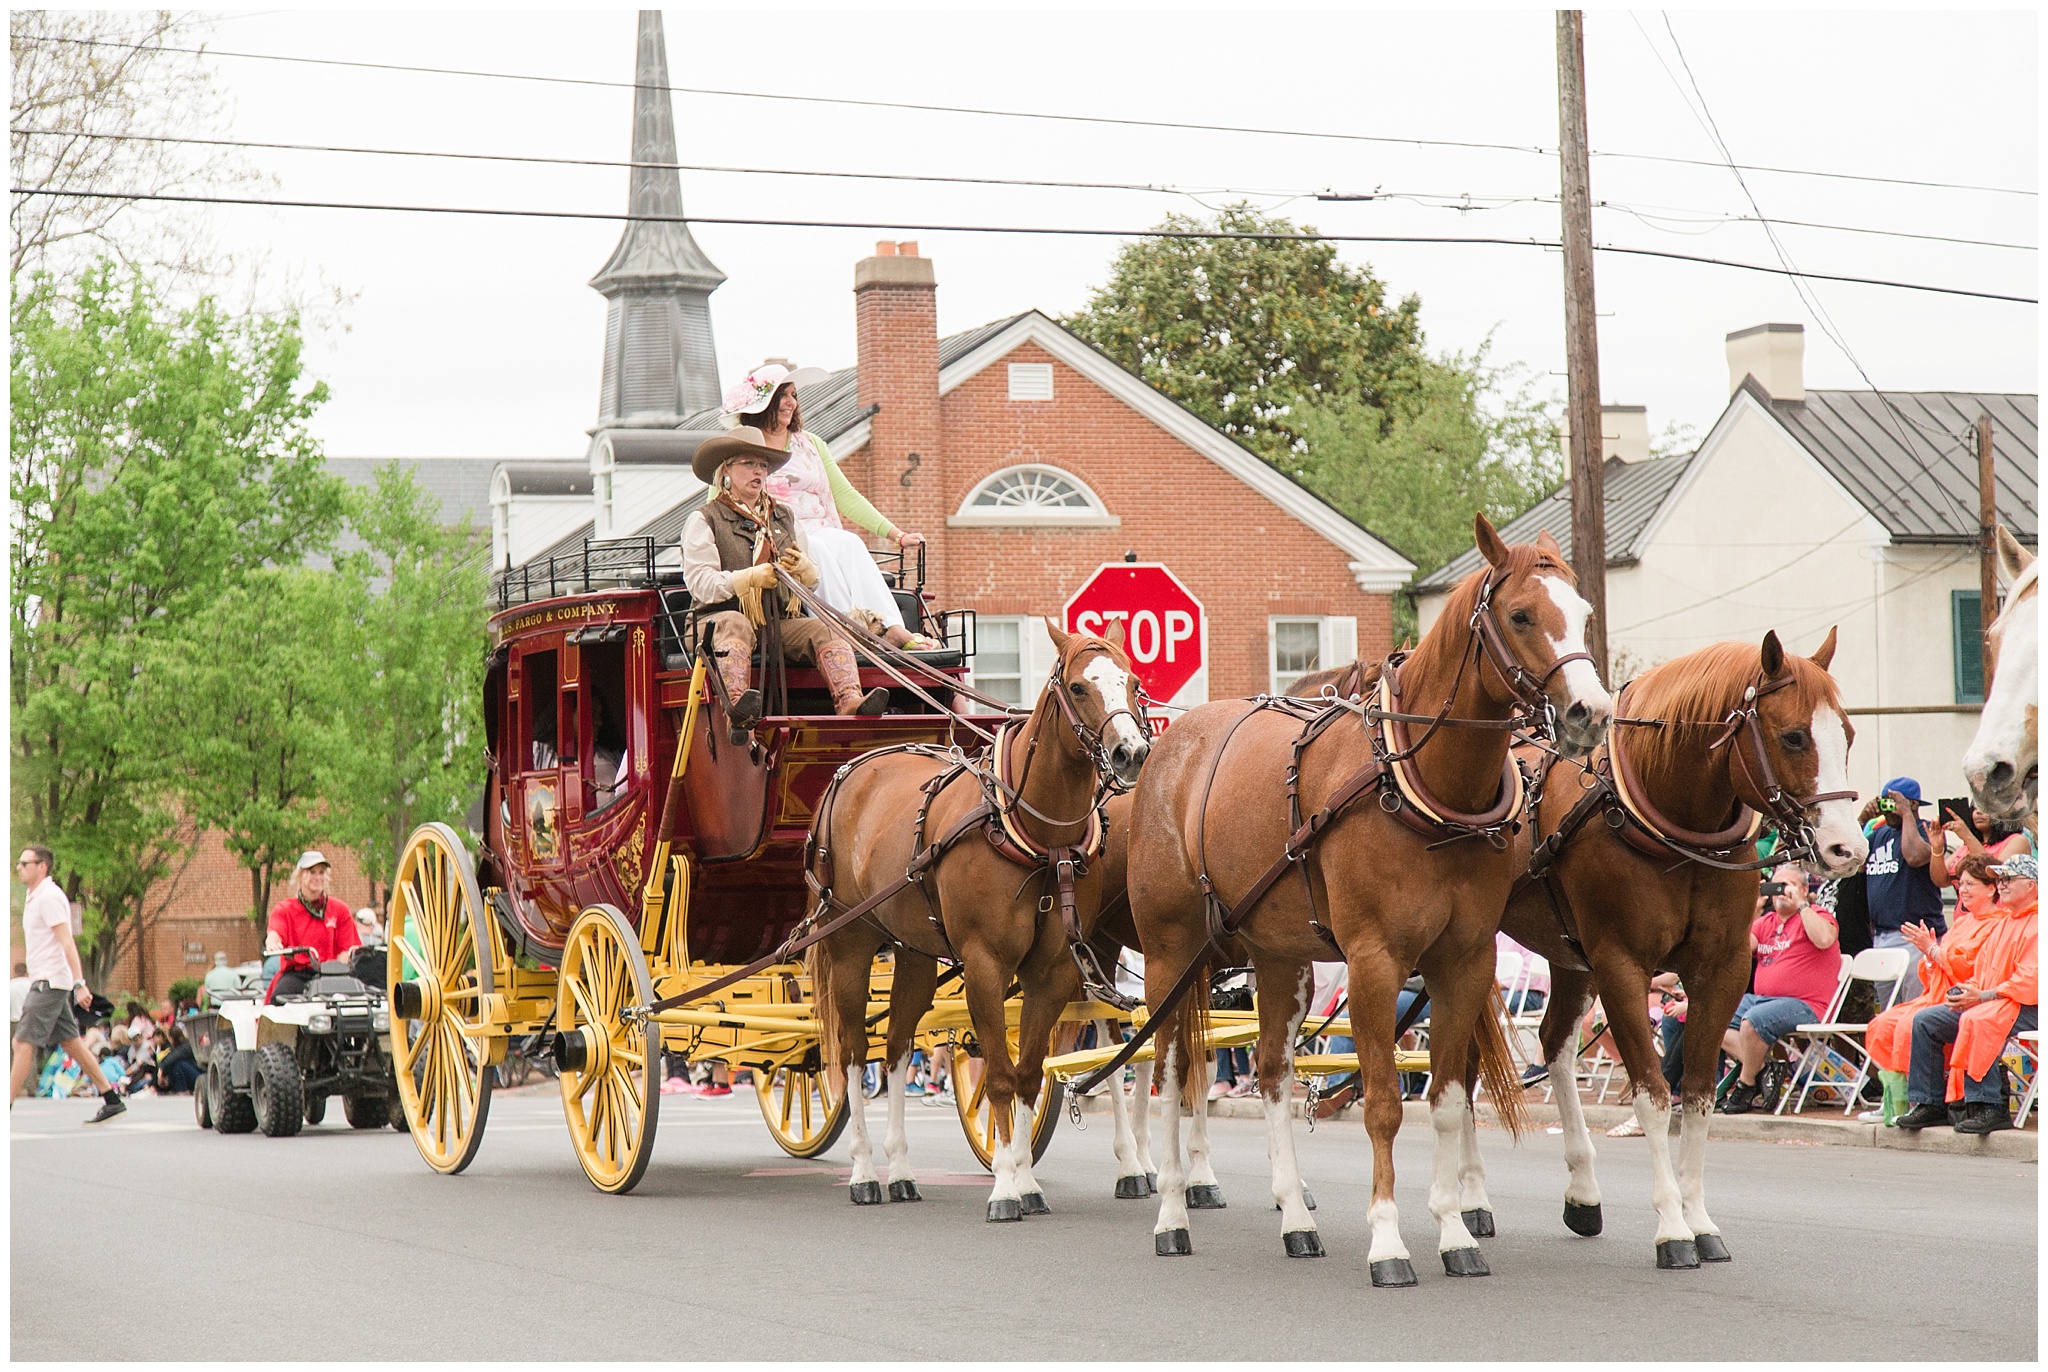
(1247, 331)
(262, 724)
(159, 456)
(414, 649)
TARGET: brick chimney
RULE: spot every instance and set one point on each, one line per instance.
(896, 325)
(1775, 354)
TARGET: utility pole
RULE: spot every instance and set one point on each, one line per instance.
(1581, 341)
(1987, 534)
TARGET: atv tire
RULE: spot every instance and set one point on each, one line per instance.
(278, 1091)
(233, 1112)
(202, 1100)
(316, 1109)
(366, 1112)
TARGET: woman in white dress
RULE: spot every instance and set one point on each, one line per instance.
(763, 406)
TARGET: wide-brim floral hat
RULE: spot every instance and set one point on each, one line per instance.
(752, 392)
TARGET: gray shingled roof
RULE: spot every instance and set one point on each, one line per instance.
(548, 478)
(1911, 456)
(1634, 491)
(461, 484)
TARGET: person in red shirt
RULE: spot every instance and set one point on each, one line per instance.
(310, 918)
(1797, 970)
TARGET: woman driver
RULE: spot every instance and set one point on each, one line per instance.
(763, 406)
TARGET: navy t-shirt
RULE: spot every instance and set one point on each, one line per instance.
(1898, 894)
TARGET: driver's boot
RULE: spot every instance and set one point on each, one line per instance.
(746, 700)
(842, 675)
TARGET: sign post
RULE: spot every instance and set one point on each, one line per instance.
(1166, 631)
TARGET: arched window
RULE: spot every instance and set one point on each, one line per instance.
(1036, 495)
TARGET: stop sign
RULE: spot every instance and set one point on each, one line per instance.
(1165, 632)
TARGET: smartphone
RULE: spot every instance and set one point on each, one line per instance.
(1957, 807)
(1774, 888)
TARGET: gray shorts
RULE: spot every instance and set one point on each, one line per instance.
(46, 1019)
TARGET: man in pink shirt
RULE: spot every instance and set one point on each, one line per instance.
(1797, 969)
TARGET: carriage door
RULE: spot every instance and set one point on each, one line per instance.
(541, 795)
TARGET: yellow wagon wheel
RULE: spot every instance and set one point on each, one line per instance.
(805, 1110)
(970, 1098)
(610, 1068)
(439, 969)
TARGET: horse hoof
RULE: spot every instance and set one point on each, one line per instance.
(1303, 1243)
(1393, 1272)
(1173, 1243)
(1711, 1248)
(866, 1192)
(1206, 1198)
(1034, 1203)
(1479, 1223)
(1151, 1183)
(1003, 1210)
(1583, 1220)
(1132, 1188)
(904, 1191)
(1465, 1262)
(1677, 1255)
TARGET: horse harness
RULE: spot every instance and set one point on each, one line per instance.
(1618, 795)
(1390, 773)
(996, 816)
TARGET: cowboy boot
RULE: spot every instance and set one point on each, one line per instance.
(842, 675)
(746, 701)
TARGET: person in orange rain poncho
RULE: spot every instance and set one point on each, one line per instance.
(1945, 962)
(1978, 1015)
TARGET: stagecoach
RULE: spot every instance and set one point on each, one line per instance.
(635, 845)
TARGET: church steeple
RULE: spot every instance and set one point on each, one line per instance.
(659, 360)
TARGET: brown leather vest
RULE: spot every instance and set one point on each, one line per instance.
(735, 534)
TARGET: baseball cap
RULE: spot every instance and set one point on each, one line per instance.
(313, 857)
(1906, 787)
(2020, 865)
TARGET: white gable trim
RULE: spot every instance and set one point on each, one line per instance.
(1376, 567)
(1874, 532)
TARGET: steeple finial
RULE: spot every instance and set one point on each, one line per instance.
(660, 363)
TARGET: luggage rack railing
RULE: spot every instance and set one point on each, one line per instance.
(602, 564)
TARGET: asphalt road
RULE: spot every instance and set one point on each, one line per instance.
(729, 1250)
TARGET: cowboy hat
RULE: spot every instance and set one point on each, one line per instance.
(719, 449)
(752, 392)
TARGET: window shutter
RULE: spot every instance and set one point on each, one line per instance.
(1966, 608)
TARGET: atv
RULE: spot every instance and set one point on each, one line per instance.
(319, 1029)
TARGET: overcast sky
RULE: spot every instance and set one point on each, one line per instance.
(472, 336)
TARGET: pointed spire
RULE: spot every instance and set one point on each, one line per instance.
(659, 359)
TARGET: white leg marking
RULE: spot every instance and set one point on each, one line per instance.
(1581, 1188)
(1287, 1184)
(1020, 1145)
(1692, 1168)
(1200, 1173)
(1472, 1176)
(1386, 1233)
(856, 1104)
(1005, 1161)
(897, 1141)
(1656, 1124)
(1141, 1118)
(1124, 1140)
(1447, 1118)
(1173, 1180)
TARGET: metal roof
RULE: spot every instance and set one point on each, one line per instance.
(1633, 490)
(1911, 456)
(655, 447)
(547, 478)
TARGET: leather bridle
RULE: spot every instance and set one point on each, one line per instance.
(1531, 690)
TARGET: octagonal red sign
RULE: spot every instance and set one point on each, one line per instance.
(1165, 630)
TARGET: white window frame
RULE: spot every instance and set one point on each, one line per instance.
(1035, 655)
(501, 518)
(1336, 646)
(603, 470)
(1031, 381)
(1095, 516)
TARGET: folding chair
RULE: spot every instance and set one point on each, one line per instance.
(1830, 1043)
(1523, 1030)
(2029, 1044)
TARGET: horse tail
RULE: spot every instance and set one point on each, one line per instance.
(1191, 1030)
(1497, 1065)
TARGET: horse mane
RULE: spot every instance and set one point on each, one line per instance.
(1702, 688)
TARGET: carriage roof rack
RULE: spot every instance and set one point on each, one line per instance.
(599, 565)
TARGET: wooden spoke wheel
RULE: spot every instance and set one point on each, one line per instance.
(439, 951)
(970, 1098)
(611, 1091)
(803, 1106)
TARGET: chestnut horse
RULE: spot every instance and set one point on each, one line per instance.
(887, 813)
(2002, 764)
(1212, 826)
(1705, 749)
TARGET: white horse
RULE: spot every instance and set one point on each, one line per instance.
(2002, 762)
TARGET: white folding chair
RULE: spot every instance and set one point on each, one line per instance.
(2029, 1042)
(1838, 1047)
(1524, 1039)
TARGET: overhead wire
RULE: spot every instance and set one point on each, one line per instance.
(1464, 203)
(1046, 115)
(1024, 229)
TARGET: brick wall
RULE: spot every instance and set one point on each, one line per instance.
(1243, 557)
(896, 326)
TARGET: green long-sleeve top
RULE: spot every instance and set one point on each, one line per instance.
(848, 501)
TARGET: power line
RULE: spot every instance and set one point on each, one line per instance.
(1042, 230)
(1115, 121)
(1462, 203)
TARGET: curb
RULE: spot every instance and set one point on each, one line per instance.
(2017, 1145)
